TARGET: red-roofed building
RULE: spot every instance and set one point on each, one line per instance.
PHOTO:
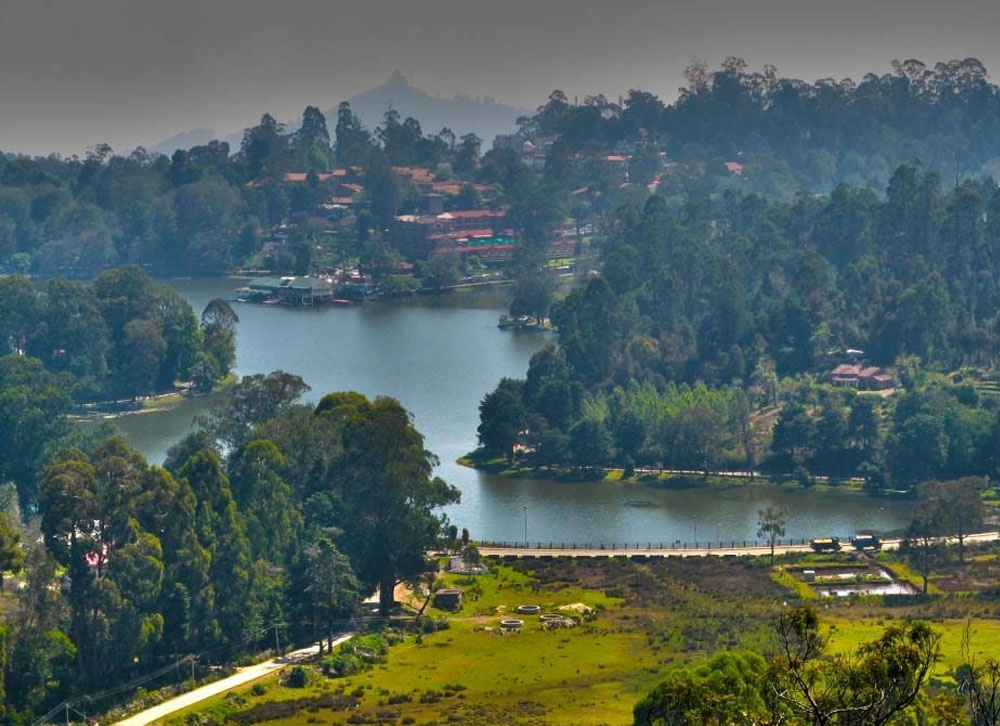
(861, 376)
(423, 178)
(298, 177)
(424, 233)
(325, 177)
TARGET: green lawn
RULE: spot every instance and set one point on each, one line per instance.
(845, 634)
(650, 617)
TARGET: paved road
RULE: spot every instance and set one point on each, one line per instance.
(889, 544)
(242, 676)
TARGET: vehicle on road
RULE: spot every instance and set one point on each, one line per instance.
(867, 542)
(825, 544)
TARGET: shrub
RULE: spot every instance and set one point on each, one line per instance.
(427, 625)
(298, 677)
(340, 665)
(274, 710)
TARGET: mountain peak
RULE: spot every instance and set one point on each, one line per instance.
(397, 80)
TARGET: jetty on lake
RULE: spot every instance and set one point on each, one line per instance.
(522, 322)
(304, 291)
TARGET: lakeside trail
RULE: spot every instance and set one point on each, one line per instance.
(241, 677)
(738, 551)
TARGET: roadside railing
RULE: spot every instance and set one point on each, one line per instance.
(701, 545)
(734, 544)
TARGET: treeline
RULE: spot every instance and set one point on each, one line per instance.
(65, 343)
(272, 514)
(208, 209)
(121, 335)
(789, 134)
(740, 293)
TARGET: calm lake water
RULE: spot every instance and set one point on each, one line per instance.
(439, 356)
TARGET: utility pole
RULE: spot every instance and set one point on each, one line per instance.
(277, 643)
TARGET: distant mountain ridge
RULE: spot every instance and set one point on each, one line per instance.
(463, 114)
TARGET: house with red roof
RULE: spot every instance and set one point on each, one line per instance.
(861, 376)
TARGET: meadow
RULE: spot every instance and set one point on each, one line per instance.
(648, 617)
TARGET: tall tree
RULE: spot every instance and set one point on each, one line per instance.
(389, 496)
(33, 404)
(502, 416)
(255, 400)
(335, 592)
(312, 140)
(956, 506)
(771, 526)
(218, 324)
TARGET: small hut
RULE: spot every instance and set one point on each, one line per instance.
(449, 598)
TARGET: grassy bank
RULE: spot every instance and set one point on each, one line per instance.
(147, 404)
(662, 479)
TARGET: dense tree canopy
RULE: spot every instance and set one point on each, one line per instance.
(276, 512)
(122, 335)
(698, 306)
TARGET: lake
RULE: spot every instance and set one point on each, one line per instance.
(439, 355)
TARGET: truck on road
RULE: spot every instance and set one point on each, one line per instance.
(825, 544)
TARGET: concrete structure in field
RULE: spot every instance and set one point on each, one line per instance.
(455, 564)
(449, 598)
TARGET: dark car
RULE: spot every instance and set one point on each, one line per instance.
(870, 542)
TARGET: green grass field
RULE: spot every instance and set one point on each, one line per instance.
(844, 634)
(650, 617)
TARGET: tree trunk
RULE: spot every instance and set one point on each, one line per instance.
(427, 601)
(316, 632)
(925, 570)
(385, 595)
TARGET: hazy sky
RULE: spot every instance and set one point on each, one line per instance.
(77, 72)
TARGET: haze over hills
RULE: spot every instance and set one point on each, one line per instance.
(463, 114)
(186, 139)
(484, 117)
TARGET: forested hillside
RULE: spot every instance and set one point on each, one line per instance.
(789, 134)
(705, 318)
(212, 208)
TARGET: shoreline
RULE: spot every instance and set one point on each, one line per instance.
(659, 479)
(155, 403)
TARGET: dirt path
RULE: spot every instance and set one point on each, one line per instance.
(244, 675)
